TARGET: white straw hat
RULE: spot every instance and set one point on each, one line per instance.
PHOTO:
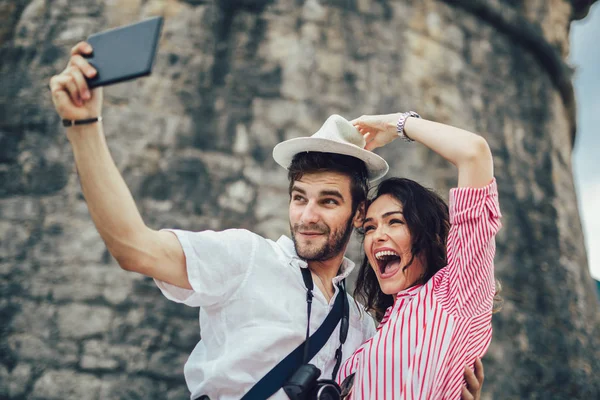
(337, 135)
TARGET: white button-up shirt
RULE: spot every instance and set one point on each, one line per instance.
(252, 303)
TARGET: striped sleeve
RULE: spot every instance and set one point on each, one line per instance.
(467, 287)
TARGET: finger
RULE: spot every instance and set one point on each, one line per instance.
(471, 380)
(479, 371)
(358, 125)
(63, 83)
(81, 48)
(82, 87)
(372, 145)
(465, 394)
(81, 63)
(79, 81)
(59, 95)
(66, 83)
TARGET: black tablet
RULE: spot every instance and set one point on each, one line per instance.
(124, 53)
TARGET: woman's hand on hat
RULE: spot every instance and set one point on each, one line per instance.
(378, 130)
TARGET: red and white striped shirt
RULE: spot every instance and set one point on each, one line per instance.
(432, 331)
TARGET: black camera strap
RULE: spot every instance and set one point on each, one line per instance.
(275, 379)
(308, 281)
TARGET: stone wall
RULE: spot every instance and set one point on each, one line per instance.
(193, 141)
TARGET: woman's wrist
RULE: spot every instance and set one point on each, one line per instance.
(401, 125)
(392, 122)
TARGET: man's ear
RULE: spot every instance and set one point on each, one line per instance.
(359, 217)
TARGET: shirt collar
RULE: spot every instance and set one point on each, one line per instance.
(406, 294)
(409, 293)
(288, 247)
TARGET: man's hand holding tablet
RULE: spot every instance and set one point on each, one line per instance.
(107, 57)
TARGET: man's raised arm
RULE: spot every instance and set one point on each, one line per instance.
(135, 246)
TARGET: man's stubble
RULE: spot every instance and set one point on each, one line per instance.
(335, 244)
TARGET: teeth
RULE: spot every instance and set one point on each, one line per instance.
(385, 253)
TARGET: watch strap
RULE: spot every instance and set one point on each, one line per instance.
(402, 121)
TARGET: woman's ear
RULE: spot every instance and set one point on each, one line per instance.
(359, 217)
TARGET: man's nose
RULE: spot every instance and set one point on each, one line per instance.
(310, 214)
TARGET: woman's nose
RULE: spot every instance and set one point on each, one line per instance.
(380, 234)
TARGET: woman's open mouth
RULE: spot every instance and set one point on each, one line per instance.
(388, 262)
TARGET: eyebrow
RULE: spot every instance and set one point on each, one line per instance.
(385, 215)
(323, 193)
(333, 193)
(297, 189)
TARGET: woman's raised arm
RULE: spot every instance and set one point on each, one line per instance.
(469, 152)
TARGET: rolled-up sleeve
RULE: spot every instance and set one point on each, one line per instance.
(217, 263)
(468, 282)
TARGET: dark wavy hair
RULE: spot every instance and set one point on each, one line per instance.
(310, 162)
(428, 221)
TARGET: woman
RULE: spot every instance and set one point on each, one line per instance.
(428, 270)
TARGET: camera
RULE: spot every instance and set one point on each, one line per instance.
(306, 385)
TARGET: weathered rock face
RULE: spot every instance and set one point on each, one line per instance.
(193, 141)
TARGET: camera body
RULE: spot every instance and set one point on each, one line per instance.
(305, 385)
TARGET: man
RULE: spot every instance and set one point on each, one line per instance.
(249, 289)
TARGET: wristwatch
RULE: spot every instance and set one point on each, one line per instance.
(402, 121)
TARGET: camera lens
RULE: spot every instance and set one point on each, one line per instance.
(328, 392)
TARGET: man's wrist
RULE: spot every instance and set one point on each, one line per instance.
(77, 133)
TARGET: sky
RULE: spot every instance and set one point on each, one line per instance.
(585, 57)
